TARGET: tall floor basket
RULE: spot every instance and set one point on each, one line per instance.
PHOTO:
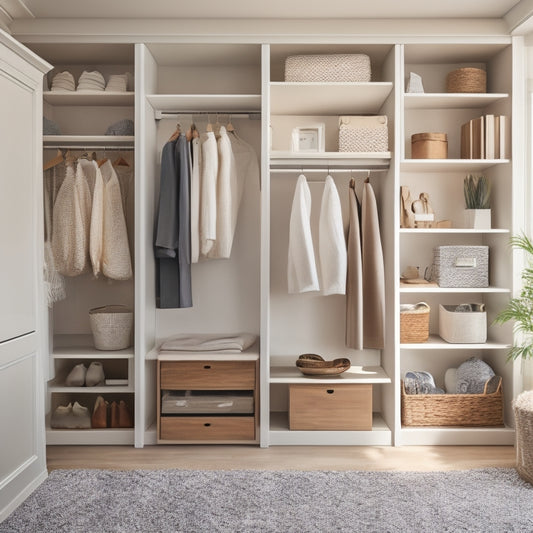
(523, 412)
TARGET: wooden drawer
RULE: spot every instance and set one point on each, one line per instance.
(330, 407)
(198, 375)
(205, 428)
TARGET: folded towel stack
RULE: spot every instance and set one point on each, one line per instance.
(91, 81)
(208, 342)
(122, 127)
(117, 83)
(63, 81)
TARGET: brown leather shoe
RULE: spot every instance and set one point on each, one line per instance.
(99, 416)
(114, 415)
(124, 416)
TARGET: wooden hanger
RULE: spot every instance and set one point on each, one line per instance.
(54, 161)
(120, 161)
(100, 162)
(209, 127)
(69, 158)
(176, 133)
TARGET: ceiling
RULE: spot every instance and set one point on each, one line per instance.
(286, 9)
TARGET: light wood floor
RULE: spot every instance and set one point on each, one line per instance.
(224, 457)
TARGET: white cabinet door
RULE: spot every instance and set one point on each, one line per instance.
(22, 436)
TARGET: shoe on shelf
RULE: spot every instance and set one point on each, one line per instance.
(81, 419)
(114, 415)
(124, 416)
(95, 375)
(60, 417)
(99, 416)
(76, 377)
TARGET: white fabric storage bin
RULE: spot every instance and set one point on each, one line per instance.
(111, 326)
(461, 266)
(458, 327)
(363, 134)
(328, 67)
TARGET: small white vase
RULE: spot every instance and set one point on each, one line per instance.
(477, 218)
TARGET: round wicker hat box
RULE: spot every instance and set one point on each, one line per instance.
(429, 146)
(467, 80)
(523, 412)
(111, 326)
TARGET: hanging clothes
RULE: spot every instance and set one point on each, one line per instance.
(195, 166)
(126, 178)
(245, 161)
(354, 277)
(301, 270)
(115, 258)
(71, 221)
(373, 272)
(172, 238)
(227, 200)
(331, 241)
(208, 194)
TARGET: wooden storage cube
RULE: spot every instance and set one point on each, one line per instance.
(465, 410)
(190, 375)
(207, 428)
(326, 407)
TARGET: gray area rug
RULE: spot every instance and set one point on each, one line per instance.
(99, 501)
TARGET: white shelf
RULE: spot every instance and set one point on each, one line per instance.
(449, 165)
(325, 160)
(355, 374)
(444, 290)
(436, 343)
(189, 103)
(453, 436)
(89, 98)
(56, 386)
(105, 436)
(81, 347)
(450, 100)
(452, 231)
(279, 434)
(290, 98)
(89, 140)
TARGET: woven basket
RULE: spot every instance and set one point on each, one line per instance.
(327, 68)
(452, 409)
(111, 326)
(523, 412)
(467, 80)
(414, 322)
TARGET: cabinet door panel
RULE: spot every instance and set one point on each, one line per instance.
(17, 217)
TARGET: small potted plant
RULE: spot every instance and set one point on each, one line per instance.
(477, 199)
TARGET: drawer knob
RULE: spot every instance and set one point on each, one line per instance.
(207, 367)
(330, 391)
(207, 424)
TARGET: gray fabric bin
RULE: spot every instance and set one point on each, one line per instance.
(461, 266)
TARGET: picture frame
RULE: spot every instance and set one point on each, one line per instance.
(309, 138)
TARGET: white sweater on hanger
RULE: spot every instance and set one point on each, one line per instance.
(301, 270)
(331, 241)
(208, 194)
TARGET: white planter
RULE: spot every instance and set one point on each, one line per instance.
(477, 218)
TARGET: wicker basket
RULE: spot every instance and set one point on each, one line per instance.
(414, 322)
(328, 67)
(111, 326)
(453, 409)
(467, 80)
(523, 412)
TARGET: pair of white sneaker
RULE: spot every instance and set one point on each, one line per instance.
(80, 376)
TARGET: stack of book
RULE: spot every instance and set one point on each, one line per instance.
(486, 137)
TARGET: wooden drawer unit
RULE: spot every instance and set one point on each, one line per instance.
(206, 428)
(330, 407)
(201, 375)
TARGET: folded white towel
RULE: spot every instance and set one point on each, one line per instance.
(332, 243)
(301, 269)
(209, 342)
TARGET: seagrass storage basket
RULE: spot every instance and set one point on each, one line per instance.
(363, 133)
(111, 326)
(467, 80)
(453, 409)
(523, 412)
(414, 322)
(328, 67)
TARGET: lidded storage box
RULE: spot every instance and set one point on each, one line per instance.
(462, 327)
(429, 146)
(461, 266)
(363, 134)
(328, 67)
(467, 80)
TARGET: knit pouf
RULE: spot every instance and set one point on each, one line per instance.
(523, 411)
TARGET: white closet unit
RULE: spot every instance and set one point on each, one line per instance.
(181, 83)
(437, 110)
(301, 323)
(83, 119)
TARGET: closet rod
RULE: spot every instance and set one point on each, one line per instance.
(253, 115)
(326, 170)
(60, 146)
